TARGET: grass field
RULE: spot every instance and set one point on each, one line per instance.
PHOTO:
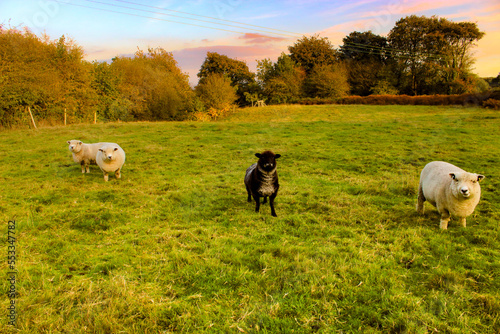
(173, 246)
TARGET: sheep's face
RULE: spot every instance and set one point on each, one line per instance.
(267, 160)
(465, 184)
(108, 152)
(75, 146)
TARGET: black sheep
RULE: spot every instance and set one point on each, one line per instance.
(261, 180)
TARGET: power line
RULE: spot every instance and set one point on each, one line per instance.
(207, 17)
(373, 49)
(166, 20)
(147, 17)
(393, 51)
(188, 18)
(357, 47)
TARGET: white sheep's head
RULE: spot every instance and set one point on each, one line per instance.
(465, 184)
(75, 146)
(109, 152)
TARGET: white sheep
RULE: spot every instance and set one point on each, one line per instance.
(84, 154)
(453, 191)
(110, 158)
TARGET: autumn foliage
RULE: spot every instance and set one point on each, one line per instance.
(52, 78)
(48, 76)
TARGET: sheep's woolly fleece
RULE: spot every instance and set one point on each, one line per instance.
(110, 158)
(453, 191)
(84, 154)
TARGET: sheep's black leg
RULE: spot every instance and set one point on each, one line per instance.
(271, 203)
(265, 200)
(257, 203)
(249, 195)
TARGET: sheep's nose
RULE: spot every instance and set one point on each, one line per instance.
(464, 191)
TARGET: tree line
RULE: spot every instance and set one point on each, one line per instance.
(420, 56)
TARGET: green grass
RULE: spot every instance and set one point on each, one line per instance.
(174, 247)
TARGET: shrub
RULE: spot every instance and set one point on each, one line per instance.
(281, 82)
(463, 99)
(327, 81)
(211, 114)
(153, 86)
(215, 91)
(384, 87)
(115, 110)
(235, 70)
(492, 103)
(279, 90)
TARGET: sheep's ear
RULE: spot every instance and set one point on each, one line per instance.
(453, 176)
(258, 155)
(480, 177)
(277, 156)
(68, 141)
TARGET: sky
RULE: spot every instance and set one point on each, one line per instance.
(243, 30)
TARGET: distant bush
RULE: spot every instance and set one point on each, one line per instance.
(492, 103)
(211, 115)
(279, 90)
(384, 87)
(236, 71)
(280, 82)
(444, 100)
(150, 86)
(216, 92)
(327, 81)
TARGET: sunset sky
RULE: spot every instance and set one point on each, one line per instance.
(245, 30)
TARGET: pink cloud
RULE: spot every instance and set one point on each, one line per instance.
(245, 53)
(260, 39)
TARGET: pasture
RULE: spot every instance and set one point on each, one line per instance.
(174, 247)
